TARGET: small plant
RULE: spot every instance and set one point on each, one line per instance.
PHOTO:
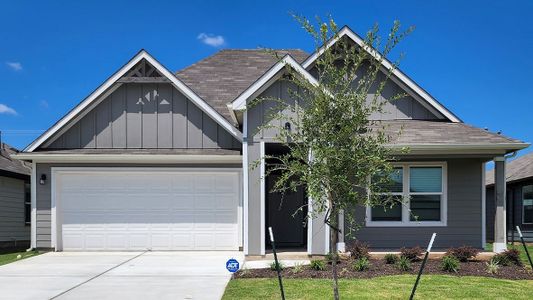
(492, 266)
(450, 263)
(273, 266)
(513, 256)
(403, 264)
(361, 264)
(297, 268)
(390, 258)
(358, 250)
(318, 265)
(330, 256)
(501, 259)
(463, 254)
(412, 254)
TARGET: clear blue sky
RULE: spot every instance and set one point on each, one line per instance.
(475, 57)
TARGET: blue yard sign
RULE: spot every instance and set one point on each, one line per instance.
(232, 265)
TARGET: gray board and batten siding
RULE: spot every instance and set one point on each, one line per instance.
(145, 116)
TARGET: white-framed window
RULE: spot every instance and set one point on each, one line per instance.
(421, 188)
(527, 204)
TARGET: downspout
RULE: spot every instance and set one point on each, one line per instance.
(506, 157)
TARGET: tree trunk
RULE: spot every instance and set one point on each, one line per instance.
(334, 237)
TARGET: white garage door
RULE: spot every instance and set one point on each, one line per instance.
(137, 210)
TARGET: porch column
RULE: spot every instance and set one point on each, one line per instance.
(500, 232)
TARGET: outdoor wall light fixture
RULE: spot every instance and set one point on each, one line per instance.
(42, 181)
(288, 126)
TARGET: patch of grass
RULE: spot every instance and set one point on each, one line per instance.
(388, 287)
(14, 256)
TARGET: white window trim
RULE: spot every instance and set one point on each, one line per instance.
(406, 222)
(522, 205)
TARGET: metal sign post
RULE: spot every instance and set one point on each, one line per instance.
(423, 265)
(276, 262)
(525, 246)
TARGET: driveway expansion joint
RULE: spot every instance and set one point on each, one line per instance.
(98, 275)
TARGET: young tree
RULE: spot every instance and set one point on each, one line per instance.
(335, 148)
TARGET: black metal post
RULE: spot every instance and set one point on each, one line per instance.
(525, 246)
(426, 256)
(276, 262)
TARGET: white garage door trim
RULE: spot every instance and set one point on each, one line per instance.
(56, 233)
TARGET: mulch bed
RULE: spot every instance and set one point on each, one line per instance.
(378, 267)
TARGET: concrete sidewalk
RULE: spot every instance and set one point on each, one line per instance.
(118, 275)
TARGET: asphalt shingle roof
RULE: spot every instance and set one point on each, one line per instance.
(517, 169)
(10, 164)
(417, 132)
(221, 78)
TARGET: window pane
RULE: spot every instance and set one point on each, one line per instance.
(425, 179)
(527, 203)
(386, 212)
(395, 182)
(425, 207)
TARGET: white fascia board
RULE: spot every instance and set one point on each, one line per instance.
(127, 158)
(263, 82)
(346, 31)
(113, 79)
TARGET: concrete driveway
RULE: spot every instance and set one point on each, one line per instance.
(118, 275)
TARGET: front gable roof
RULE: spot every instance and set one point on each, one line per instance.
(268, 78)
(106, 88)
(398, 76)
(221, 78)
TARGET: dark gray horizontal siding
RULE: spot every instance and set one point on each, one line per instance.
(148, 116)
(464, 215)
(12, 223)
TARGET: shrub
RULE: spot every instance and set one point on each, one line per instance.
(391, 259)
(513, 256)
(358, 250)
(361, 264)
(492, 266)
(297, 268)
(273, 266)
(501, 259)
(449, 263)
(412, 254)
(318, 264)
(403, 264)
(463, 254)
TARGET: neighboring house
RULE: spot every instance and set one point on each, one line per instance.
(519, 198)
(160, 160)
(15, 201)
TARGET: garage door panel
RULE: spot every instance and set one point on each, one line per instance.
(148, 210)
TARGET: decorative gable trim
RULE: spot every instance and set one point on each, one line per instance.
(113, 82)
(421, 95)
(267, 79)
